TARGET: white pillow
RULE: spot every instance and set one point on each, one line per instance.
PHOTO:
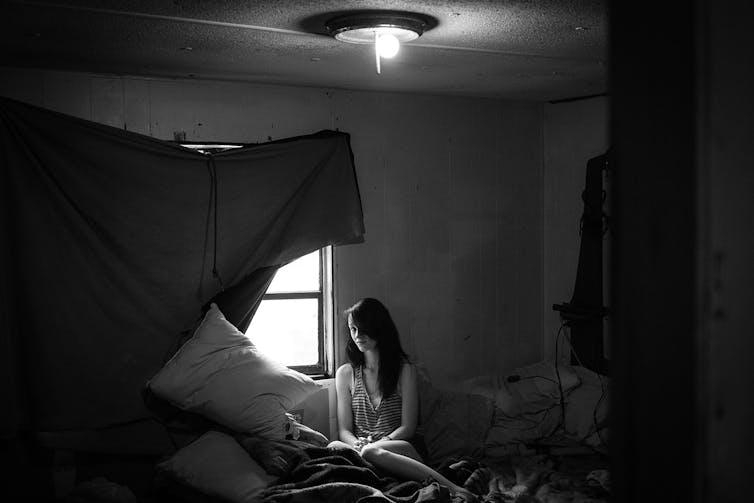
(526, 390)
(452, 423)
(538, 384)
(221, 375)
(218, 466)
(586, 408)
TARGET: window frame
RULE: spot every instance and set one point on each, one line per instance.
(325, 366)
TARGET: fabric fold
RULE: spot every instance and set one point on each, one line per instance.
(110, 237)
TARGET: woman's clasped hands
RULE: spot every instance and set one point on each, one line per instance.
(362, 442)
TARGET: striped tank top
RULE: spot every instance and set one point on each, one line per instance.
(369, 420)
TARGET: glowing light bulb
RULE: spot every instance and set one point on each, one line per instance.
(387, 45)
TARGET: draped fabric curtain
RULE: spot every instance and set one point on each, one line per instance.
(114, 242)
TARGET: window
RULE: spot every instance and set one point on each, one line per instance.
(294, 321)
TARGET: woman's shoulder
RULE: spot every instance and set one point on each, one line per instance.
(407, 366)
(344, 371)
(408, 370)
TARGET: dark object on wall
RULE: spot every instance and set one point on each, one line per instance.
(585, 312)
(113, 242)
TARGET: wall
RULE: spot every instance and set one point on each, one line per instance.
(574, 132)
(725, 184)
(452, 193)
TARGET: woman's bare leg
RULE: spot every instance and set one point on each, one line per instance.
(399, 458)
(400, 447)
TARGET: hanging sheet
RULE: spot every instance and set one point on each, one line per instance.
(110, 239)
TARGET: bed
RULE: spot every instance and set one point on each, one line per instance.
(321, 474)
(514, 437)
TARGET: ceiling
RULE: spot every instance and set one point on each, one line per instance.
(543, 50)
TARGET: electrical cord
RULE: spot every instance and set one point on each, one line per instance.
(561, 403)
(536, 424)
(602, 390)
(516, 378)
(560, 382)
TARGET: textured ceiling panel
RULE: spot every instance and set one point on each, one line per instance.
(534, 50)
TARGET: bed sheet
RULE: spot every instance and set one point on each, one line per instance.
(322, 474)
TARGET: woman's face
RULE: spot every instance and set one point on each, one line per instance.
(362, 340)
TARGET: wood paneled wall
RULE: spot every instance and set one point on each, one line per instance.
(452, 193)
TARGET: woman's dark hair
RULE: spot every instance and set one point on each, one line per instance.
(373, 319)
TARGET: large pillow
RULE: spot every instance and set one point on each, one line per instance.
(451, 423)
(586, 408)
(526, 390)
(220, 374)
(536, 386)
(521, 429)
(217, 466)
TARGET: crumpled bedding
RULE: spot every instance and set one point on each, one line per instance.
(322, 474)
(527, 408)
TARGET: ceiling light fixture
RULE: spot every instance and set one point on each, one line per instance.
(385, 29)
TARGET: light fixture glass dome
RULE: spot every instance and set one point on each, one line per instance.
(361, 27)
(366, 35)
(385, 29)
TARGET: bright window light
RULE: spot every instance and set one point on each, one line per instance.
(290, 324)
(301, 275)
(286, 330)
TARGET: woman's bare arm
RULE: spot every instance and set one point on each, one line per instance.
(343, 377)
(409, 404)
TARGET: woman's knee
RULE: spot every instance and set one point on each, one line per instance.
(403, 448)
(372, 453)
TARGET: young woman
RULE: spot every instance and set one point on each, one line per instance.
(377, 402)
